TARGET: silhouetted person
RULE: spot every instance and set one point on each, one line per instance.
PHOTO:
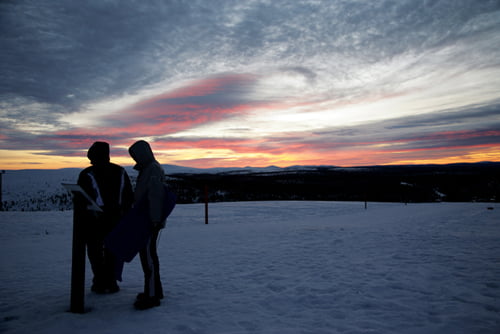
(109, 186)
(149, 188)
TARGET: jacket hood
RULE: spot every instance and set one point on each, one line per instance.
(141, 152)
(98, 153)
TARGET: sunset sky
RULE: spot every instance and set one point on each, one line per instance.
(218, 83)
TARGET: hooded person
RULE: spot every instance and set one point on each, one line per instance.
(149, 189)
(109, 186)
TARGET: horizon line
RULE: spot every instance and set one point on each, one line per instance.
(2, 171)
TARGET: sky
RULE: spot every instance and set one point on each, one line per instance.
(226, 83)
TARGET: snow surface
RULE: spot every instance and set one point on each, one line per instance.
(272, 267)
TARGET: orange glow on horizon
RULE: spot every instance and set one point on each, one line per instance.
(224, 156)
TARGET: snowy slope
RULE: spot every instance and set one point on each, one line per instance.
(35, 190)
(273, 267)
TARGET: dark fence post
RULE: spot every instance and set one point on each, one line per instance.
(206, 204)
(1, 201)
(78, 266)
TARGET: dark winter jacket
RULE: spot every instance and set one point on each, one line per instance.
(150, 181)
(108, 185)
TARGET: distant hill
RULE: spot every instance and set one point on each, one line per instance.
(419, 183)
(31, 189)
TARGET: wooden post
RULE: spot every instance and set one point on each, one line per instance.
(1, 201)
(206, 204)
(77, 303)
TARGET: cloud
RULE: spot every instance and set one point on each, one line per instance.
(273, 76)
(96, 50)
(200, 102)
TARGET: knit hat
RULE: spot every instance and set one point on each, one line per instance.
(98, 152)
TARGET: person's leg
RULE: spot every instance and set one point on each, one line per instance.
(94, 235)
(95, 253)
(109, 271)
(146, 267)
(150, 265)
(158, 289)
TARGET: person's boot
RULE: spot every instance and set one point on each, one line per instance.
(147, 302)
(113, 287)
(142, 295)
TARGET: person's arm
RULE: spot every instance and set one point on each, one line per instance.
(156, 198)
(80, 202)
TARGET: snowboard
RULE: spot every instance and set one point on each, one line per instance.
(170, 201)
(131, 234)
(133, 231)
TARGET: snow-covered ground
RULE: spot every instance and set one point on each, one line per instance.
(273, 267)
